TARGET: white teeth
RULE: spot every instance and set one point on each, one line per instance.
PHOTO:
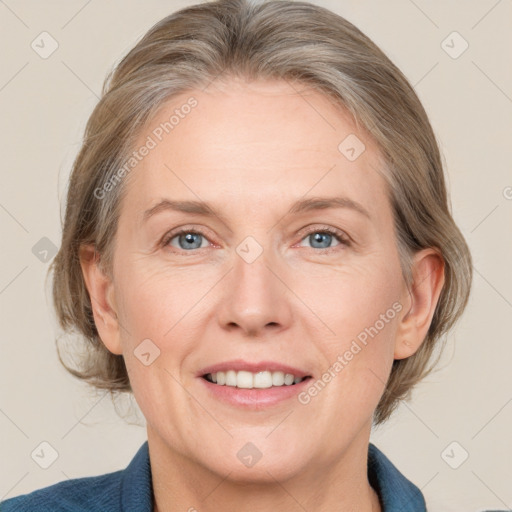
(277, 378)
(288, 379)
(249, 380)
(231, 379)
(244, 380)
(263, 380)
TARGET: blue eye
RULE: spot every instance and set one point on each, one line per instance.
(187, 240)
(323, 238)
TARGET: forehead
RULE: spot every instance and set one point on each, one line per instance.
(252, 144)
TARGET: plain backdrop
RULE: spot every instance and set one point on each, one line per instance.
(463, 410)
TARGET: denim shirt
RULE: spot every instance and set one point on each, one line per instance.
(130, 490)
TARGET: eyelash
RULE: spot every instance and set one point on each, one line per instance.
(339, 235)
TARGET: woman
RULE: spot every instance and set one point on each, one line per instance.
(258, 244)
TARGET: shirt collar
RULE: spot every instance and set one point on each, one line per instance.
(136, 485)
(396, 493)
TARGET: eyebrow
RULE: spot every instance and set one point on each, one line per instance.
(300, 206)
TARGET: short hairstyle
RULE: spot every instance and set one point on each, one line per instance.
(302, 44)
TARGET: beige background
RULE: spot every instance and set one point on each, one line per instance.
(45, 104)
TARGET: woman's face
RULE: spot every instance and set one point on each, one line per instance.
(272, 282)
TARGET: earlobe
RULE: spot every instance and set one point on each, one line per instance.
(423, 296)
(101, 292)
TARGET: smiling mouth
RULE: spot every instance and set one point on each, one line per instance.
(249, 380)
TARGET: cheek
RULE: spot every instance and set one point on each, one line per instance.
(157, 338)
(158, 302)
(163, 312)
(359, 308)
(352, 298)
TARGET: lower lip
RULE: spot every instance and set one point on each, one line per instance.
(254, 398)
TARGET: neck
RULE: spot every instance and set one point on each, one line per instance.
(182, 484)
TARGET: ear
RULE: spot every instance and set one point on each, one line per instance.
(419, 301)
(101, 292)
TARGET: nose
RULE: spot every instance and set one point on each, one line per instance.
(255, 298)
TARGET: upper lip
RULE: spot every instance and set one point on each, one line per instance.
(254, 367)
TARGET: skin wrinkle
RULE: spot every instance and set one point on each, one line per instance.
(269, 148)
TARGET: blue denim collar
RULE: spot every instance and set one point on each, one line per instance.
(396, 493)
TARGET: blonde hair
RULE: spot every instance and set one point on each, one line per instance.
(278, 39)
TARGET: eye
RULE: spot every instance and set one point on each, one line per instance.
(186, 240)
(322, 238)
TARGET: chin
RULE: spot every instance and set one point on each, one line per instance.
(258, 462)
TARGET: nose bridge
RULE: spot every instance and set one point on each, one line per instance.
(255, 297)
